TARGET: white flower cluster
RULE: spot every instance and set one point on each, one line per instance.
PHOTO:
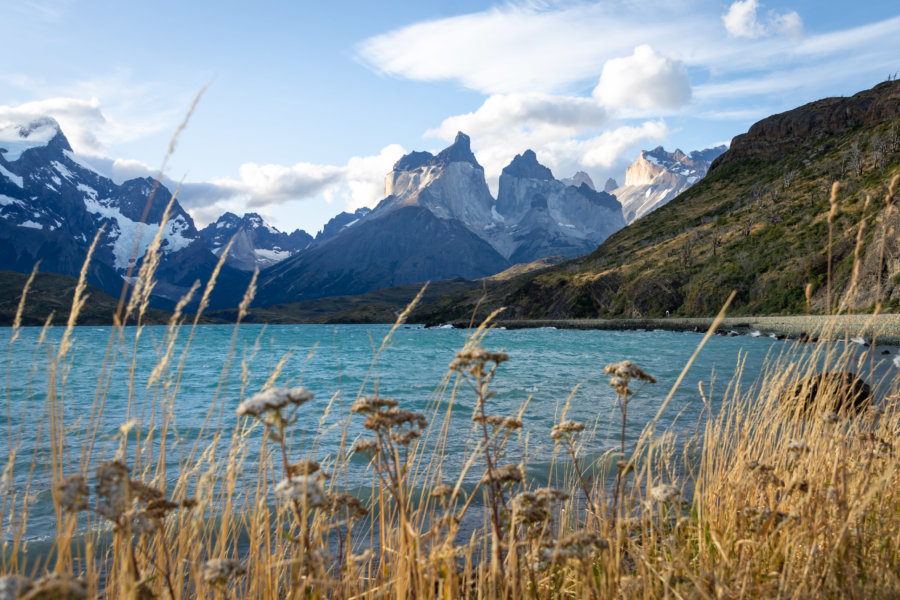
(274, 399)
(308, 490)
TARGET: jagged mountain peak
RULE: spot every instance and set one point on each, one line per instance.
(578, 178)
(17, 137)
(657, 176)
(610, 185)
(526, 166)
(459, 151)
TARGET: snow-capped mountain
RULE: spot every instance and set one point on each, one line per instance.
(52, 204)
(542, 216)
(256, 243)
(439, 221)
(658, 176)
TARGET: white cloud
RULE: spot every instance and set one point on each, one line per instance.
(532, 48)
(644, 81)
(79, 119)
(269, 188)
(741, 22)
(364, 176)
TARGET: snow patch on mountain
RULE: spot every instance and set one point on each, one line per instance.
(17, 138)
(12, 176)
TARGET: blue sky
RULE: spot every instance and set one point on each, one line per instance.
(309, 104)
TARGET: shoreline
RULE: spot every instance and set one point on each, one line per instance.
(885, 328)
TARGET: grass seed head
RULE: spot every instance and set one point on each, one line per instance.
(505, 474)
(664, 493)
(303, 467)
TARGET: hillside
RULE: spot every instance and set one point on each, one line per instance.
(757, 224)
(51, 293)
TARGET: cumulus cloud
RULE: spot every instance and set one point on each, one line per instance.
(364, 176)
(644, 81)
(741, 21)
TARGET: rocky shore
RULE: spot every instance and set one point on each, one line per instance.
(884, 328)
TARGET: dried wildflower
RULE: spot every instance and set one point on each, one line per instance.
(498, 422)
(547, 494)
(627, 370)
(157, 509)
(405, 437)
(218, 571)
(527, 508)
(189, 503)
(113, 489)
(338, 502)
(563, 429)
(829, 417)
(306, 490)
(56, 586)
(274, 399)
(797, 447)
(145, 492)
(466, 357)
(369, 404)
(578, 545)
(664, 493)
(394, 417)
(365, 445)
(505, 474)
(303, 467)
(142, 523)
(13, 586)
(72, 492)
(441, 490)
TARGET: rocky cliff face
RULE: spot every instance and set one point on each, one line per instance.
(776, 135)
(658, 176)
(541, 216)
(52, 205)
(256, 243)
(439, 220)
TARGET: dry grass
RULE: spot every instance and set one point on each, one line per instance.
(758, 502)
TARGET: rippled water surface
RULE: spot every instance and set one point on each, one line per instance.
(336, 362)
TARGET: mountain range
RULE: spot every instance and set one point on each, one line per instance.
(53, 204)
(438, 220)
(760, 223)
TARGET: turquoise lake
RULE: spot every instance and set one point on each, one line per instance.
(336, 362)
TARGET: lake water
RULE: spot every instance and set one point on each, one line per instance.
(336, 362)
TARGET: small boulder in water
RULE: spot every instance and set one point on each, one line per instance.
(827, 392)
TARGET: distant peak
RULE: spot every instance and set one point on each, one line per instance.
(459, 151)
(526, 166)
(610, 185)
(578, 178)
